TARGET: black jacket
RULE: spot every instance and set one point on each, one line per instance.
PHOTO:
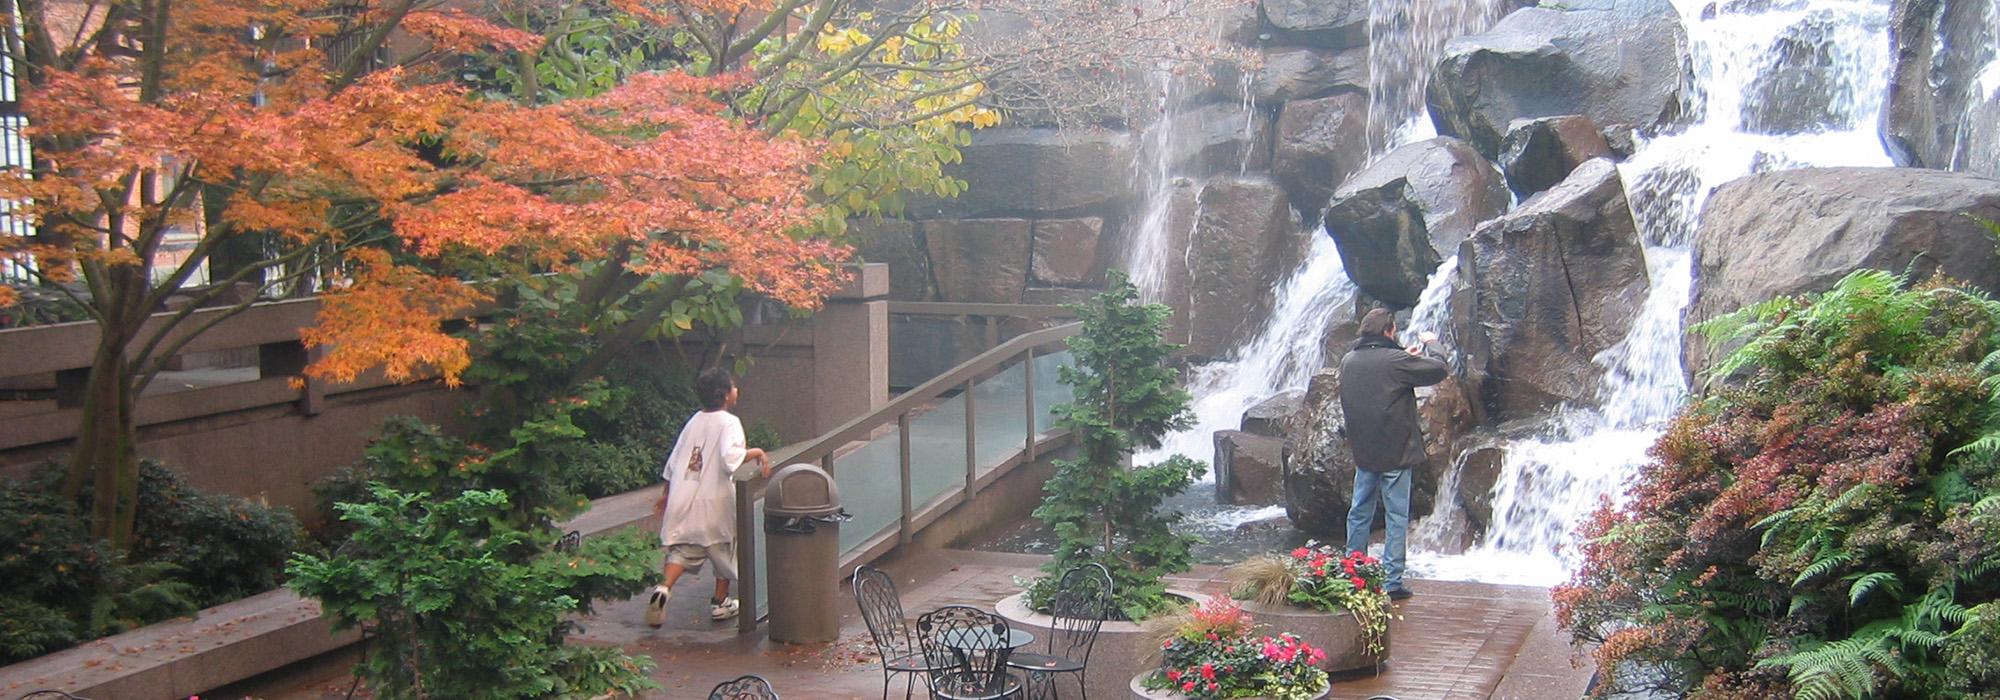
(1378, 396)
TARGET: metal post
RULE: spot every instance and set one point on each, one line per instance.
(826, 461)
(903, 460)
(1029, 374)
(971, 442)
(746, 558)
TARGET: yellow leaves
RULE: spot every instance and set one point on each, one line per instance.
(9, 296)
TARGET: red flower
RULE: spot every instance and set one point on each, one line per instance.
(1187, 687)
(1358, 582)
(1301, 553)
(1174, 675)
(1212, 637)
(1208, 671)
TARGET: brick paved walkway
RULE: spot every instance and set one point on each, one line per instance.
(1455, 640)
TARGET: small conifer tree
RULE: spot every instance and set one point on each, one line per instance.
(1102, 509)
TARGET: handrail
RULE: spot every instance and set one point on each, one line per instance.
(821, 450)
(949, 308)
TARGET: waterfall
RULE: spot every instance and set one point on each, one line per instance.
(1548, 484)
(1148, 256)
(1405, 41)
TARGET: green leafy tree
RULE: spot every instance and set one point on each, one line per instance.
(1101, 509)
(456, 612)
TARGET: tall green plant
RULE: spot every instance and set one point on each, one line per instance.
(456, 611)
(1126, 398)
(1823, 525)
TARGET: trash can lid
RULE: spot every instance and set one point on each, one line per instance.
(801, 490)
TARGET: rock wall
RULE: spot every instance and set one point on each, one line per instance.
(1943, 109)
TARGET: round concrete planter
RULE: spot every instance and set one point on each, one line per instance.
(1338, 633)
(1122, 648)
(1138, 688)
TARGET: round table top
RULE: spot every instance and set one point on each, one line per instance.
(982, 638)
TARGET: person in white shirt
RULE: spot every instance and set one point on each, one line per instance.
(697, 505)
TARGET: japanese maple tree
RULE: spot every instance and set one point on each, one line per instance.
(217, 121)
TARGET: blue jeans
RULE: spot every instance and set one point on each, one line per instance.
(1393, 489)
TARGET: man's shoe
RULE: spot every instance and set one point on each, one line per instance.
(724, 610)
(1400, 594)
(656, 606)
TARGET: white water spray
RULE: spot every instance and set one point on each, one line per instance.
(1549, 484)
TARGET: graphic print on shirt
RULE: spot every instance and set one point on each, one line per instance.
(694, 460)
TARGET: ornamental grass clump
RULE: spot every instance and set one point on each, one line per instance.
(1322, 578)
(1826, 523)
(1212, 652)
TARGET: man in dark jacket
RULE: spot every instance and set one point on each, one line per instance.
(1378, 381)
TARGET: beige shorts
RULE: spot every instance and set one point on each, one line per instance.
(693, 556)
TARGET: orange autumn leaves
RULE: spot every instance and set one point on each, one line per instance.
(294, 149)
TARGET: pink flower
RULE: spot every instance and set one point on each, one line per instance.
(1358, 582)
(1301, 553)
(1212, 637)
(1174, 675)
(1208, 671)
(1187, 687)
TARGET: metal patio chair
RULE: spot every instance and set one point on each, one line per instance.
(882, 610)
(750, 687)
(1082, 601)
(978, 643)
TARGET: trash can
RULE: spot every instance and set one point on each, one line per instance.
(802, 517)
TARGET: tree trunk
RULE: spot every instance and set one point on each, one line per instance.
(106, 455)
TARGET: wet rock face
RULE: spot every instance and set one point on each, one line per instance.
(1320, 143)
(1319, 478)
(1024, 172)
(1248, 468)
(1332, 24)
(1065, 252)
(1245, 241)
(1545, 288)
(979, 260)
(1396, 220)
(1797, 231)
(1224, 137)
(1796, 91)
(1539, 153)
(897, 244)
(1617, 62)
(1275, 417)
(1302, 74)
(1940, 113)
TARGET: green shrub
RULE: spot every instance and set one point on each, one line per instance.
(1101, 510)
(1824, 527)
(459, 612)
(223, 546)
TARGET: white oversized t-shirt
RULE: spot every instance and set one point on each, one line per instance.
(701, 499)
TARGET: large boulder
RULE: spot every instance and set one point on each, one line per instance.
(1036, 172)
(1797, 89)
(1276, 416)
(1320, 143)
(1220, 137)
(1539, 153)
(1065, 252)
(1247, 468)
(896, 243)
(1544, 289)
(1245, 241)
(979, 260)
(1798, 231)
(1331, 24)
(1301, 74)
(1943, 110)
(1397, 219)
(1319, 478)
(1615, 61)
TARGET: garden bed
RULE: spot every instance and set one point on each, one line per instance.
(1122, 649)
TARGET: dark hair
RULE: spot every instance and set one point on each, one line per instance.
(1377, 322)
(712, 388)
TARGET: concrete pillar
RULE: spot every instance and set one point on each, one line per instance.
(851, 349)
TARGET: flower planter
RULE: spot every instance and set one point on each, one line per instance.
(1337, 633)
(1122, 648)
(1138, 689)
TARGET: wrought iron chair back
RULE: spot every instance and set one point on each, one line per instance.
(1082, 601)
(750, 687)
(570, 542)
(51, 695)
(977, 641)
(882, 610)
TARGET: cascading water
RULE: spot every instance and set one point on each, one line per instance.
(1549, 484)
(1405, 41)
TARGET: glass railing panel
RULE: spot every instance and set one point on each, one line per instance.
(870, 480)
(763, 592)
(937, 451)
(1000, 415)
(1049, 389)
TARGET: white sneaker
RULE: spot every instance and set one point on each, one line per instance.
(724, 610)
(656, 606)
